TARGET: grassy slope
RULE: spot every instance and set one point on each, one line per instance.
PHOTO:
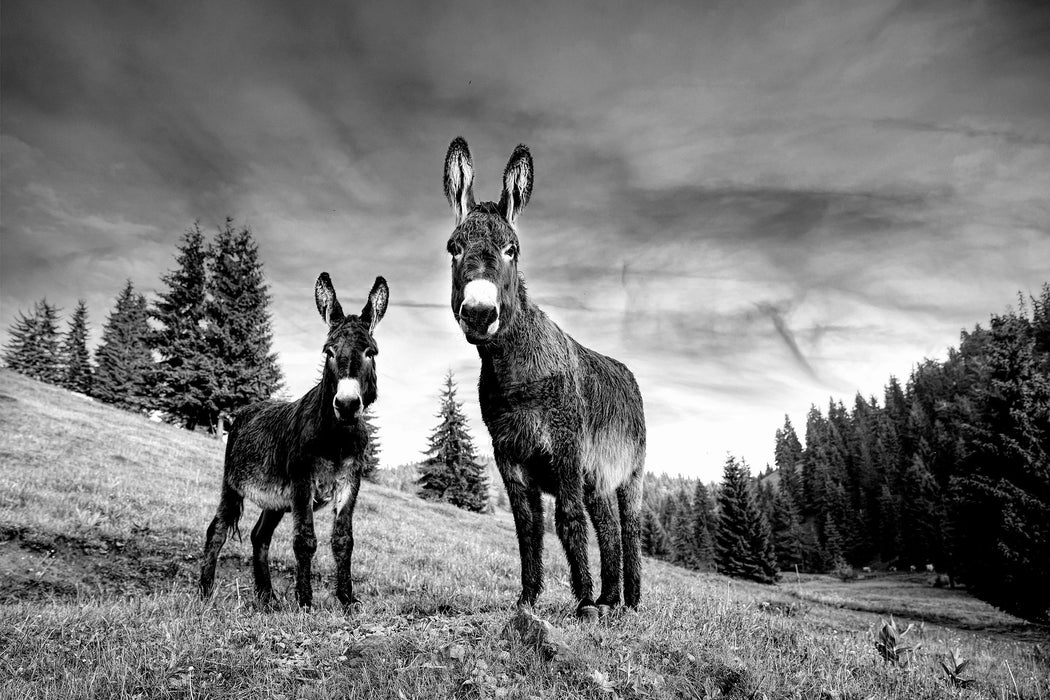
(102, 517)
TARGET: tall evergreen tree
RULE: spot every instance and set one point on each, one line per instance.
(34, 346)
(654, 539)
(704, 524)
(77, 373)
(742, 543)
(372, 450)
(681, 531)
(186, 371)
(451, 471)
(125, 363)
(787, 453)
(239, 328)
(788, 540)
(1001, 496)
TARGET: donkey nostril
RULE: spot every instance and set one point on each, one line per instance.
(479, 317)
(350, 406)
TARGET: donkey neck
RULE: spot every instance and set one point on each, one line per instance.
(316, 405)
(531, 348)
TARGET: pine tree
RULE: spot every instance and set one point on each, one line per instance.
(240, 332)
(185, 373)
(788, 538)
(451, 471)
(704, 524)
(77, 373)
(833, 547)
(742, 543)
(681, 530)
(654, 539)
(787, 453)
(372, 450)
(34, 346)
(125, 363)
(1001, 495)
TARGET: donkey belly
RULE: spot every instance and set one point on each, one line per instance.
(273, 491)
(609, 457)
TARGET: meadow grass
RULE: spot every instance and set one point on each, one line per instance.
(102, 517)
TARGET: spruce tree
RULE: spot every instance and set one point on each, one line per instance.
(682, 521)
(1001, 495)
(654, 539)
(185, 373)
(451, 471)
(77, 373)
(240, 331)
(34, 346)
(704, 524)
(372, 450)
(742, 543)
(125, 363)
(788, 538)
(787, 453)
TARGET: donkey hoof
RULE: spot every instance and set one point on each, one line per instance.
(604, 611)
(587, 613)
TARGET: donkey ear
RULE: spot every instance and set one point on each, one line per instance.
(459, 179)
(375, 307)
(327, 305)
(517, 184)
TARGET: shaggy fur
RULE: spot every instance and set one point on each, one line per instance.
(564, 419)
(300, 456)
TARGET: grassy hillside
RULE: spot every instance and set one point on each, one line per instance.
(102, 516)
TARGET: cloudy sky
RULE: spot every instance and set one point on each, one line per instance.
(756, 206)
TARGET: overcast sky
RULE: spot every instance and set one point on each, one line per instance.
(756, 206)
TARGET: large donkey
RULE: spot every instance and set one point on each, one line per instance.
(563, 419)
(296, 456)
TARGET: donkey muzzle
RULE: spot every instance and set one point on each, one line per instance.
(479, 312)
(347, 401)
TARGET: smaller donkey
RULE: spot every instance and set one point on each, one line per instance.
(296, 456)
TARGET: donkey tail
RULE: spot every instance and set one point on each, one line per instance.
(230, 509)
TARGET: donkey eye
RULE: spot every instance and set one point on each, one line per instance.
(454, 249)
(511, 251)
(371, 352)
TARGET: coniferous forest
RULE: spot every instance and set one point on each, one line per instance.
(949, 472)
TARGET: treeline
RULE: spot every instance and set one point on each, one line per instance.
(952, 470)
(200, 350)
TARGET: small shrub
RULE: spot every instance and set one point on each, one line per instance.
(891, 645)
(954, 668)
(843, 571)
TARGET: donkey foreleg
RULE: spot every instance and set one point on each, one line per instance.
(262, 533)
(602, 508)
(526, 503)
(343, 541)
(570, 520)
(304, 542)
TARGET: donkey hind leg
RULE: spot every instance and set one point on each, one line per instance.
(262, 533)
(526, 503)
(343, 541)
(570, 519)
(602, 508)
(226, 517)
(304, 542)
(629, 496)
